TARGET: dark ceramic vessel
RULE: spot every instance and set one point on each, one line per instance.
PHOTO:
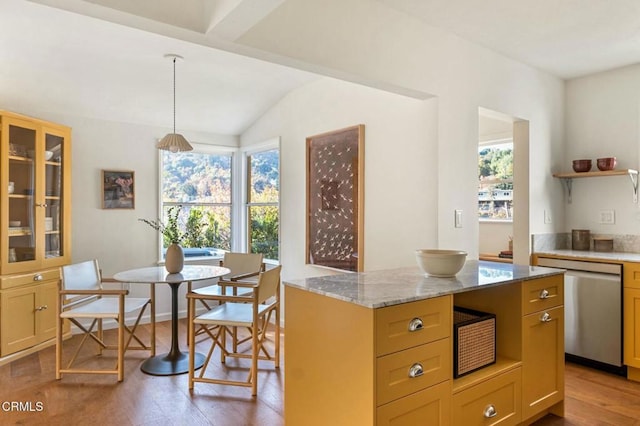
(581, 166)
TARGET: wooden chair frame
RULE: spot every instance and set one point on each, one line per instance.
(216, 290)
(262, 308)
(90, 304)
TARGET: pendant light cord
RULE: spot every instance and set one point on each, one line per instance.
(174, 95)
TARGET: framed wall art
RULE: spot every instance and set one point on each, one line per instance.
(335, 199)
(118, 191)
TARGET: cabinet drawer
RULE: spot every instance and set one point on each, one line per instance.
(542, 293)
(411, 370)
(31, 278)
(631, 275)
(411, 324)
(430, 406)
(495, 401)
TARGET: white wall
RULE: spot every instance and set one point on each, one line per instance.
(400, 170)
(494, 236)
(603, 120)
(370, 42)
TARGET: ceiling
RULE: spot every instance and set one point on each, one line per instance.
(105, 58)
(87, 67)
(567, 38)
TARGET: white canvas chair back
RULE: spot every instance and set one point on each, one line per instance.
(242, 263)
(80, 276)
(268, 285)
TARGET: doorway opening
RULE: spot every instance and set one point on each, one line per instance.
(502, 181)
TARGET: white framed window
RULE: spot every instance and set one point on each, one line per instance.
(229, 198)
(262, 199)
(202, 183)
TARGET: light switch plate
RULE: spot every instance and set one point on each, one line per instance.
(547, 216)
(458, 218)
(607, 217)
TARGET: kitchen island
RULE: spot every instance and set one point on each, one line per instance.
(377, 348)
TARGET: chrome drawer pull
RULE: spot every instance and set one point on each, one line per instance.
(490, 411)
(37, 277)
(544, 294)
(42, 308)
(416, 370)
(546, 317)
(416, 324)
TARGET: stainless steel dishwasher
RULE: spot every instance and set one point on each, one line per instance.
(592, 312)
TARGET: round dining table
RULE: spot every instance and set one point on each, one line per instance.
(175, 361)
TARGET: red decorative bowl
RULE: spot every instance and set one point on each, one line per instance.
(608, 163)
(581, 166)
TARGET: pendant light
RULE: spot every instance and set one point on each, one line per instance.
(174, 142)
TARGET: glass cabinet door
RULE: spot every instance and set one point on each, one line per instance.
(34, 201)
(20, 189)
(54, 192)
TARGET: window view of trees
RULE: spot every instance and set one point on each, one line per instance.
(201, 183)
(495, 182)
(262, 202)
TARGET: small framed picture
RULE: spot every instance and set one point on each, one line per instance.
(118, 190)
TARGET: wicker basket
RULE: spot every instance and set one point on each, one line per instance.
(474, 344)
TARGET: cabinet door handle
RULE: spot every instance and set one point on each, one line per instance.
(416, 370)
(546, 317)
(42, 308)
(37, 277)
(416, 324)
(41, 204)
(490, 411)
(544, 294)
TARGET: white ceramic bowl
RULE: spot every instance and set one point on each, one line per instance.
(48, 155)
(14, 223)
(440, 263)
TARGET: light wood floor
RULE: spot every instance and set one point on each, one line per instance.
(592, 397)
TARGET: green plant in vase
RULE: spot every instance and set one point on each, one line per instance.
(172, 237)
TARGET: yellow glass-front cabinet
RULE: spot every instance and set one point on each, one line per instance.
(35, 189)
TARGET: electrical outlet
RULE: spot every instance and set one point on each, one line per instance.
(607, 217)
(547, 216)
(458, 219)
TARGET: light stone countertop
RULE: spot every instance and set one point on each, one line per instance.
(594, 255)
(377, 289)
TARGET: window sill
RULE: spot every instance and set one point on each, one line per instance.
(482, 220)
(213, 260)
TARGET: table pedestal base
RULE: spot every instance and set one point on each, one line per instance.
(170, 364)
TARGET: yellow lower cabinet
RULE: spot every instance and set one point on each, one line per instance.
(496, 401)
(542, 360)
(632, 327)
(28, 316)
(429, 406)
(631, 275)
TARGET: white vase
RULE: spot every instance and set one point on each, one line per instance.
(174, 259)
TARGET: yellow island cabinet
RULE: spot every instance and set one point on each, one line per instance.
(377, 348)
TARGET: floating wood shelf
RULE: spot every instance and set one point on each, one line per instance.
(567, 178)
